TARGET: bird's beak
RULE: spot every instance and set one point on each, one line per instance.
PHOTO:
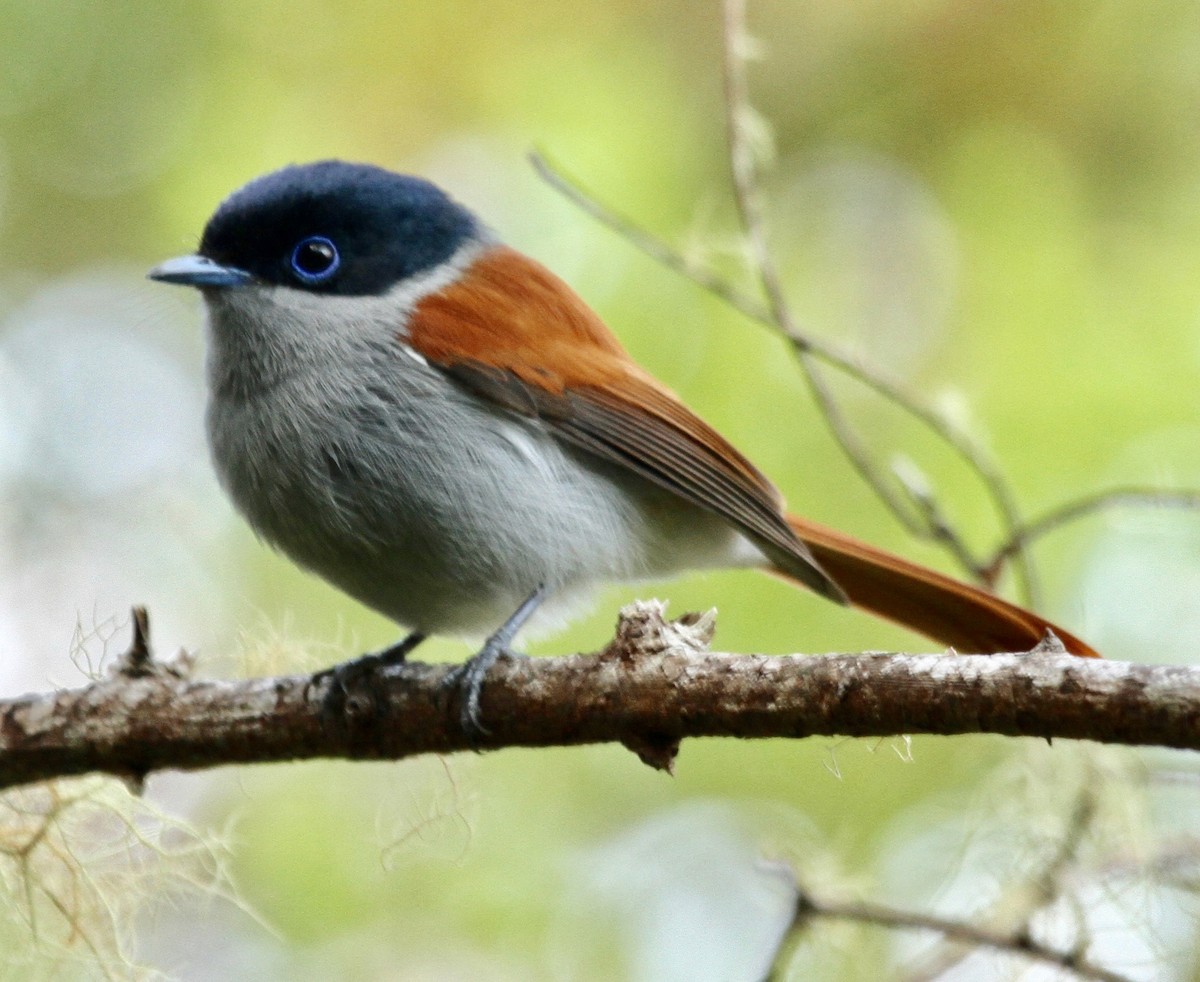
(199, 271)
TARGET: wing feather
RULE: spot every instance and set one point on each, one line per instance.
(515, 334)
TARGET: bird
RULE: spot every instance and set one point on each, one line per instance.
(439, 426)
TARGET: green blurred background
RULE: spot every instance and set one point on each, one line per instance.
(997, 202)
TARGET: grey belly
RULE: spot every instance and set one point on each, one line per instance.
(443, 514)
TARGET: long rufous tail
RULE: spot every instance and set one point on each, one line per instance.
(953, 613)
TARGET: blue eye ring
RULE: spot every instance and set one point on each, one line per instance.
(315, 259)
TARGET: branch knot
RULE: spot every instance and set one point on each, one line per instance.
(643, 629)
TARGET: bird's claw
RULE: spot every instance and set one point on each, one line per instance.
(468, 678)
(348, 694)
(466, 681)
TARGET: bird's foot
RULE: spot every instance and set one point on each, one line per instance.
(467, 680)
(350, 692)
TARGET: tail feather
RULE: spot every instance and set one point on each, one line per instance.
(953, 613)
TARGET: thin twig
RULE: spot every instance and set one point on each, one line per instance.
(805, 343)
(665, 254)
(1022, 945)
(747, 196)
(919, 489)
(1052, 883)
(1041, 891)
(1024, 534)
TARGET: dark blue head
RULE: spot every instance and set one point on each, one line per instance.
(328, 227)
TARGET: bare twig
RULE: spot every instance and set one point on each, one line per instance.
(802, 340)
(940, 530)
(809, 908)
(748, 199)
(662, 252)
(1049, 885)
(1039, 892)
(804, 344)
(654, 685)
(139, 659)
(1025, 533)
(845, 361)
(747, 195)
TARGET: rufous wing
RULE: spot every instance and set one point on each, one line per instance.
(512, 332)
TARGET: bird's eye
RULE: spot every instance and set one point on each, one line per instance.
(315, 259)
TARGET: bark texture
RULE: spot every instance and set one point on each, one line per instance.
(653, 685)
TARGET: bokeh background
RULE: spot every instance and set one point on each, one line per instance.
(997, 202)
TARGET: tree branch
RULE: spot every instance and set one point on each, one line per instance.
(653, 685)
(809, 908)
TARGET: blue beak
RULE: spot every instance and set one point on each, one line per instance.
(199, 271)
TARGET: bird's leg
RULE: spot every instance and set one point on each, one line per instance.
(396, 654)
(349, 675)
(468, 678)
